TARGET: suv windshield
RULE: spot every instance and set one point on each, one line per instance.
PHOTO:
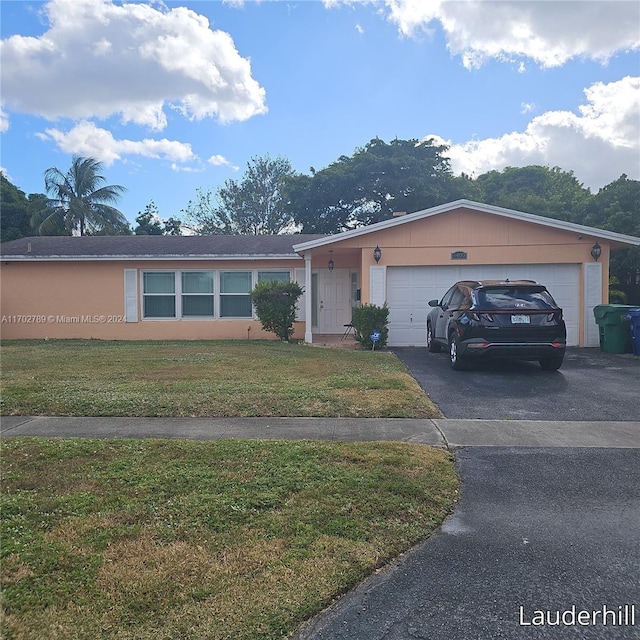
(515, 298)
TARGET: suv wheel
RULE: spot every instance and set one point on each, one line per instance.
(432, 345)
(454, 357)
(551, 364)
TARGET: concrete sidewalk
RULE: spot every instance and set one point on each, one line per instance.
(435, 432)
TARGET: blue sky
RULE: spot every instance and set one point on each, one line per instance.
(175, 96)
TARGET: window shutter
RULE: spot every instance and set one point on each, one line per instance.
(301, 316)
(378, 285)
(131, 295)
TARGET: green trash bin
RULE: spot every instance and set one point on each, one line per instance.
(615, 330)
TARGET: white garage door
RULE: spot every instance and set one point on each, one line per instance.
(409, 289)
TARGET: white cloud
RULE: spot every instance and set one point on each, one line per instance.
(98, 59)
(86, 139)
(550, 33)
(4, 121)
(220, 161)
(180, 168)
(598, 144)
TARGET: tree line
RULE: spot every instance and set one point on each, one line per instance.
(368, 186)
(77, 202)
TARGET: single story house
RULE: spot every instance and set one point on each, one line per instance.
(197, 287)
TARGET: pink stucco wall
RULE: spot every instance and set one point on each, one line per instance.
(85, 299)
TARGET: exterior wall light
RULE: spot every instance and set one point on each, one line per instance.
(377, 254)
(331, 264)
(596, 251)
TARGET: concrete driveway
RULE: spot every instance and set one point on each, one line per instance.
(590, 386)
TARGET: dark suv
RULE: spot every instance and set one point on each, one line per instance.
(501, 319)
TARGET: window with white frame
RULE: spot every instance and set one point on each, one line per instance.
(192, 293)
(159, 294)
(282, 276)
(197, 294)
(235, 287)
(178, 294)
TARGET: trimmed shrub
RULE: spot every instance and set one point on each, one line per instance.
(368, 318)
(275, 302)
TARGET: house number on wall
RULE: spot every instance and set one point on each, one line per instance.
(459, 255)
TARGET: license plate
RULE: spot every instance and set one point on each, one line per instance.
(520, 319)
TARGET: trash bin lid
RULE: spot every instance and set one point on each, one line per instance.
(611, 313)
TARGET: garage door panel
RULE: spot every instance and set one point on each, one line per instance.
(410, 288)
(399, 315)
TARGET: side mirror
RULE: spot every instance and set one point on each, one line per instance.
(433, 303)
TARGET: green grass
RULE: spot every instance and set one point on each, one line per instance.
(161, 540)
(204, 378)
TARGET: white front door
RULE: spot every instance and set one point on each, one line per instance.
(334, 300)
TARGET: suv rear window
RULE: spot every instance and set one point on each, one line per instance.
(515, 298)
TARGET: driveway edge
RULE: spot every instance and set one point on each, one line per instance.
(537, 433)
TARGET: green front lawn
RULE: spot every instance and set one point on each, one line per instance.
(176, 540)
(157, 539)
(204, 378)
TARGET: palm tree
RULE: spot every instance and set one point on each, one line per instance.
(80, 202)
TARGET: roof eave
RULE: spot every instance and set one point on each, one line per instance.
(147, 258)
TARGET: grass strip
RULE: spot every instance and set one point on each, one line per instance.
(168, 539)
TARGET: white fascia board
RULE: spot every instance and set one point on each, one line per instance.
(477, 206)
(137, 258)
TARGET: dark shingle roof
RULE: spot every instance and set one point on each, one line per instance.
(152, 246)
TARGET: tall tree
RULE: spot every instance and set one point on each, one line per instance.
(253, 205)
(616, 207)
(81, 203)
(14, 221)
(151, 224)
(535, 189)
(148, 221)
(367, 187)
(172, 227)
